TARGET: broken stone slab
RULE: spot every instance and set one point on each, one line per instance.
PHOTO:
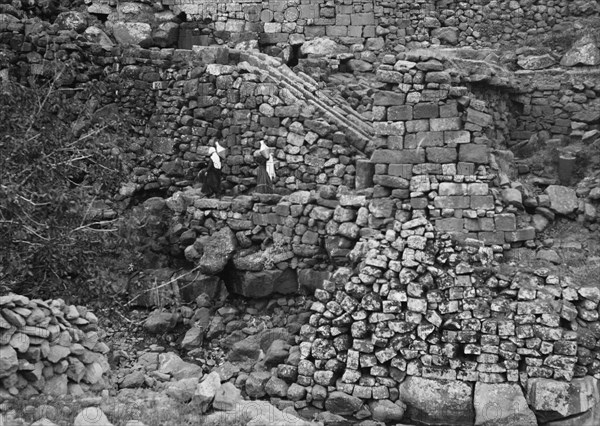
(583, 52)
(536, 62)
(501, 404)
(170, 363)
(563, 200)
(553, 400)
(433, 401)
(218, 250)
(206, 391)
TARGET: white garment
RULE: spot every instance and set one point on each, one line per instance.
(271, 167)
(214, 157)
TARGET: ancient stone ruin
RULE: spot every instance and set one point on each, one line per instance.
(406, 137)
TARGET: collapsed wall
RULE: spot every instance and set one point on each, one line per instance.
(49, 347)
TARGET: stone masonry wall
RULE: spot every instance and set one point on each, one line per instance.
(49, 347)
(397, 25)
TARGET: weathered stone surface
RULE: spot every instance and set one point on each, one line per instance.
(182, 390)
(321, 46)
(552, 400)
(170, 363)
(9, 362)
(342, 403)
(446, 35)
(218, 250)
(501, 404)
(536, 62)
(166, 35)
(437, 401)
(386, 411)
(160, 322)
(256, 382)
(206, 391)
(139, 33)
(227, 397)
(72, 20)
(583, 52)
(563, 200)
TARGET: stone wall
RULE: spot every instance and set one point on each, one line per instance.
(49, 347)
(397, 24)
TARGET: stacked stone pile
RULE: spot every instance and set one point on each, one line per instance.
(49, 347)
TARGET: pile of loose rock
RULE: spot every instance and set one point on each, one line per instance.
(49, 347)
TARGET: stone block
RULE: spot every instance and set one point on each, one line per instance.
(391, 181)
(441, 155)
(466, 169)
(400, 113)
(424, 139)
(425, 110)
(414, 126)
(479, 118)
(489, 237)
(365, 170)
(402, 170)
(474, 153)
(450, 225)
(362, 19)
(483, 202)
(478, 188)
(505, 222)
(524, 234)
(442, 124)
(406, 156)
(452, 202)
(457, 137)
(389, 128)
(336, 31)
(387, 98)
(451, 188)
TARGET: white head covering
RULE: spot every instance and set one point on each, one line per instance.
(220, 149)
(264, 149)
(214, 157)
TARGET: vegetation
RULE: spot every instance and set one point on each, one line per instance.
(54, 165)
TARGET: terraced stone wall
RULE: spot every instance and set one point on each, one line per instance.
(395, 24)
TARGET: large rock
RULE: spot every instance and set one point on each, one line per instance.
(218, 250)
(386, 411)
(9, 363)
(206, 391)
(563, 200)
(589, 418)
(160, 322)
(138, 33)
(72, 20)
(343, 404)
(183, 390)
(170, 363)
(256, 413)
(446, 35)
(322, 46)
(536, 62)
(256, 383)
(263, 283)
(437, 402)
(166, 35)
(227, 397)
(501, 404)
(553, 400)
(583, 52)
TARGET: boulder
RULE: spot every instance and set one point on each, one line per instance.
(166, 35)
(501, 404)
(170, 363)
(133, 380)
(277, 353)
(9, 363)
(160, 322)
(193, 338)
(386, 411)
(563, 200)
(322, 46)
(553, 400)
(218, 250)
(183, 390)
(138, 33)
(263, 283)
(431, 401)
(193, 285)
(256, 384)
(227, 397)
(91, 416)
(583, 52)
(343, 404)
(446, 35)
(206, 391)
(72, 20)
(589, 418)
(536, 62)
(247, 349)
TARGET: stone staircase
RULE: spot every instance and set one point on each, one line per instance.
(331, 105)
